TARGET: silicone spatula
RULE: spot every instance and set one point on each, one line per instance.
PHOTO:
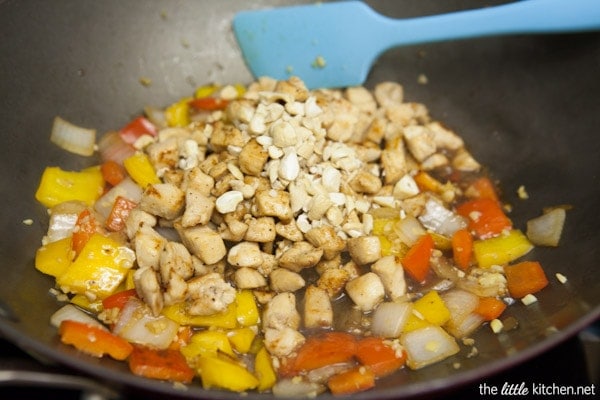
(335, 44)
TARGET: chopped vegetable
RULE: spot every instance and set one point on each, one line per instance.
(462, 248)
(546, 229)
(177, 114)
(482, 188)
(377, 354)
(502, 249)
(428, 345)
(93, 340)
(226, 319)
(85, 227)
(490, 308)
(119, 213)
(390, 318)
(167, 365)
(525, 278)
(140, 169)
(355, 380)
(112, 147)
(119, 299)
(58, 186)
(137, 127)
(324, 349)
(69, 312)
(225, 374)
(73, 138)
(416, 260)
(247, 313)
(264, 370)
(432, 308)
(242, 339)
(207, 343)
(209, 103)
(485, 217)
(55, 257)
(112, 172)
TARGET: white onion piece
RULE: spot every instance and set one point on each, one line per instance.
(156, 116)
(546, 229)
(465, 326)
(126, 188)
(136, 324)
(73, 138)
(460, 303)
(389, 318)
(409, 230)
(297, 388)
(441, 220)
(113, 148)
(63, 217)
(321, 375)
(427, 346)
(71, 313)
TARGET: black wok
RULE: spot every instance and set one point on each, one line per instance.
(527, 106)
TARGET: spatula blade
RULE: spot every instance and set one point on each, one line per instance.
(316, 42)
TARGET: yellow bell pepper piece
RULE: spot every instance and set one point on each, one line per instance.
(432, 308)
(240, 89)
(85, 303)
(129, 283)
(178, 113)
(207, 344)
(57, 186)
(225, 320)
(141, 170)
(501, 250)
(225, 374)
(99, 269)
(247, 310)
(55, 257)
(413, 323)
(264, 370)
(205, 91)
(241, 339)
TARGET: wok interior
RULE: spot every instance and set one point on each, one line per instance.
(526, 106)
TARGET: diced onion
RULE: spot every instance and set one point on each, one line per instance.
(465, 326)
(136, 324)
(441, 220)
(409, 230)
(321, 375)
(73, 138)
(63, 217)
(427, 346)
(389, 318)
(297, 388)
(71, 313)
(126, 188)
(546, 229)
(113, 148)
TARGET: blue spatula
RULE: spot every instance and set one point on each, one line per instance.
(335, 44)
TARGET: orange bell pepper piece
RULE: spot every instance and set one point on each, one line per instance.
(486, 217)
(490, 308)
(119, 213)
(416, 260)
(93, 340)
(168, 364)
(321, 350)
(462, 248)
(524, 278)
(85, 227)
(112, 172)
(381, 358)
(352, 381)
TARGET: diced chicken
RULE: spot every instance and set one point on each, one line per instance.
(283, 342)
(253, 158)
(198, 208)
(273, 203)
(333, 280)
(164, 154)
(444, 137)
(245, 254)
(136, 219)
(147, 287)
(325, 238)
(163, 199)
(366, 182)
(198, 181)
(362, 98)
(366, 291)
(284, 280)
(318, 312)
(365, 249)
(393, 160)
(419, 141)
(248, 278)
(281, 312)
(209, 294)
(175, 290)
(175, 259)
(148, 245)
(391, 274)
(261, 229)
(464, 161)
(299, 256)
(388, 93)
(289, 231)
(205, 243)
(224, 135)
(293, 86)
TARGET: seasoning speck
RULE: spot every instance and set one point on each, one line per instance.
(522, 193)
(561, 278)
(145, 81)
(422, 79)
(28, 221)
(319, 62)
(529, 299)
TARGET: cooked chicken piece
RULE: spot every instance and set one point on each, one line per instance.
(175, 290)
(325, 238)
(164, 154)
(444, 137)
(419, 141)
(163, 200)
(253, 158)
(318, 312)
(248, 278)
(293, 86)
(199, 181)
(283, 342)
(364, 249)
(203, 242)
(299, 256)
(388, 94)
(245, 254)
(393, 160)
(273, 203)
(261, 229)
(136, 219)
(147, 287)
(391, 274)
(233, 230)
(365, 182)
(366, 291)
(281, 312)
(224, 135)
(148, 245)
(284, 280)
(175, 259)
(362, 98)
(333, 281)
(198, 208)
(289, 231)
(209, 294)
(464, 161)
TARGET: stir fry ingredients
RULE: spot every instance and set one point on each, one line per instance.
(282, 240)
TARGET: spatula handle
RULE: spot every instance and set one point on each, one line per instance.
(525, 16)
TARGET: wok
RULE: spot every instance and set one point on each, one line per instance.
(527, 107)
